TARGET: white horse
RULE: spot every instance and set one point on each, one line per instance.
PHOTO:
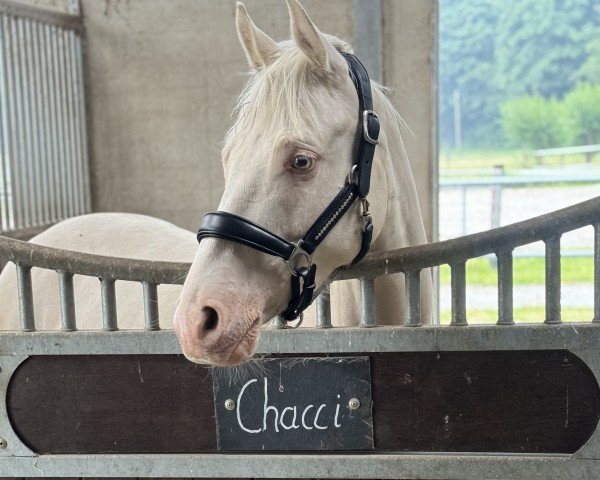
(285, 158)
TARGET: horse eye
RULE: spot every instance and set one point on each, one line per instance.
(302, 162)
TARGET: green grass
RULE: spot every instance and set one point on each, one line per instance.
(526, 271)
(511, 159)
(523, 315)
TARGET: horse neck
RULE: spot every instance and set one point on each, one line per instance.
(403, 225)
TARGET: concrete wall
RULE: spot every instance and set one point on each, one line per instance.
(163, 76)
(409, 67)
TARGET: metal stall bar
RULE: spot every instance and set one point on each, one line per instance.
(505, 288)
(109, 304)
(66, 159)
(14, 102)
(3, 186)
(25, 124)
(367, 302)
(37, 90)
(59, 119)
(46, 125)
(25, 293)
(6, 207)
(553, 280)
(78, 195)
(33, 129)
(67, 301)
(413, 298)
(324, 308)
(82, 142)
(151, 306)
(458, 294)
(53, 147)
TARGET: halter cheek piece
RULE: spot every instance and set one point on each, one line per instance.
(299, 255)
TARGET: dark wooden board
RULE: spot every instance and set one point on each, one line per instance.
(530, 401)
(522, 401)
(113, 403)
(295, 404)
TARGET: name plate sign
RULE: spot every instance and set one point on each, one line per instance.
(295, 404)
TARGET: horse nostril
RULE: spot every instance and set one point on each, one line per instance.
(211, 318)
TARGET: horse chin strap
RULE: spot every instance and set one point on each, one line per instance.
(298, 255)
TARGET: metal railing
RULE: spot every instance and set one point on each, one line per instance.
(44, 174)
(587, 150)
(410, 261)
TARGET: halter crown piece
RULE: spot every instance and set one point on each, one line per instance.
(299, 255)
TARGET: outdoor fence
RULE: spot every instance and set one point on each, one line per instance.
(496, 181)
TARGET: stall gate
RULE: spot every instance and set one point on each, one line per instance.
(464, 401)
(44, 172)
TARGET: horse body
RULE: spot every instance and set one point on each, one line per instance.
(299, 104)
(111, 234)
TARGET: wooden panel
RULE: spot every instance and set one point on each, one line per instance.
(534, 401)
(113, 403)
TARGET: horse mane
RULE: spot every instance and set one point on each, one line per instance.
(280, 94)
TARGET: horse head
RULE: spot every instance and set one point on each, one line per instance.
(289, 152)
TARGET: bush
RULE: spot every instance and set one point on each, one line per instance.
(582, 105)
(534, 122)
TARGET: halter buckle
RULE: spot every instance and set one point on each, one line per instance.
(371, 135)
(295, 258)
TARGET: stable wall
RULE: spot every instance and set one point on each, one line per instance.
(163, 76)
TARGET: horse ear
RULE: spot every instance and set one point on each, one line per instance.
(259, 47)
(311, 41)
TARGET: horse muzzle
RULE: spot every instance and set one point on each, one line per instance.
(210, 333)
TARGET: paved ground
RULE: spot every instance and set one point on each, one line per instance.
(517, 204)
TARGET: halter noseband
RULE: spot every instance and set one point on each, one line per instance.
(299, 255)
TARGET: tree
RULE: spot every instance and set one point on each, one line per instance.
(589, 71)
(541, 43)
(534, 122)
(467, 31)
(492, 51)
(582, 105)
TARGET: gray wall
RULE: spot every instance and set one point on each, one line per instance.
(410, 67)
(162, 80)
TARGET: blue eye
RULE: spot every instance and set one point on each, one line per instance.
(302, 162)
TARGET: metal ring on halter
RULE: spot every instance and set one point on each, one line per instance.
(281, 324)
(296, 325)
(299, 252)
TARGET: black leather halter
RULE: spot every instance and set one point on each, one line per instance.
(299, 255)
